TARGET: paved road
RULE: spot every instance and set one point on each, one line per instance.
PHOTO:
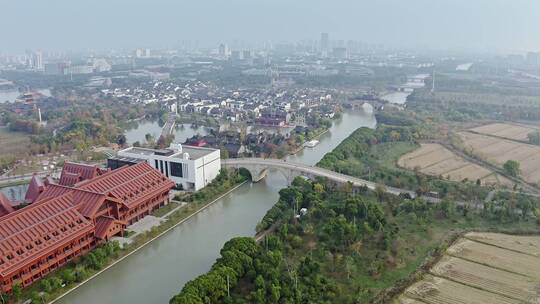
(307, 170)
(6, 180)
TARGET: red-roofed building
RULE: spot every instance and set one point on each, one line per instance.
(5, 205)
(35, 188)
(107, 226)
(67, 221)
(40, 238)
(73, 173)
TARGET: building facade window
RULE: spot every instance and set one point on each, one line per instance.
(177, 170)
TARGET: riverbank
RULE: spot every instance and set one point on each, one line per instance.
(302, 147)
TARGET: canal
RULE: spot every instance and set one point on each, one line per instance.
(181, 132)
(159, 270)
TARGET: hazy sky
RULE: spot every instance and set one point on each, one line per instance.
(85, 24)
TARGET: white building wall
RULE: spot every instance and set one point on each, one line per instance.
(207, 168)
(200, 171)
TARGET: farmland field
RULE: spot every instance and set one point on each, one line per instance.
(525, 244)
(506, 130)
(498, 151)
(482, 268)
(436, 160)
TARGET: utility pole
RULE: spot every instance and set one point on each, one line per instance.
(228, 287)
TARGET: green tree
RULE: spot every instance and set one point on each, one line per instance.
(512, 167)
(380, 191)
(3, 297)
(447, 208)
(17, 291)
(45, 285)
(68, 276)
(275, 293)
(149, 138)
(534, 138)
(121, 139)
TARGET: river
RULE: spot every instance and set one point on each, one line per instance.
(159, 270)
(153, 128)
(413, 82)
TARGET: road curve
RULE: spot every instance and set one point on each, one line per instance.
(309, 170)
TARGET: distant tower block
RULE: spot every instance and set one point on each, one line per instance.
(433, 82)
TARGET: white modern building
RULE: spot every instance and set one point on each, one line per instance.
(191, 168)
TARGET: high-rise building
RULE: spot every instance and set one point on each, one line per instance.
(340, 53)
(38, 60)
(223, 51)
(325, 44)
(533, 58)
(236, 55)
(55, 68)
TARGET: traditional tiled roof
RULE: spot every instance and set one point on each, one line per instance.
(35, 187)
(103, 224)
(87, 202)
(69, 179)
(37, 229)
(130, 183)
(53, 190)
(73, 173)
(5, 205)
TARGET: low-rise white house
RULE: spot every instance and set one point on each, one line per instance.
(191, 168)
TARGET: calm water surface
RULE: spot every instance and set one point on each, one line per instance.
(154, 129)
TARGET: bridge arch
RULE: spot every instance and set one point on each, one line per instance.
(258, 168)
(259, 172)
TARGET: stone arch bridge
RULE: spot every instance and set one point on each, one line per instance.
(258, 168)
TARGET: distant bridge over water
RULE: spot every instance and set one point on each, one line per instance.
(258, 168)
(168, 128)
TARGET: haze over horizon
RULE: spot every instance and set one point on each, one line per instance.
(481, 25)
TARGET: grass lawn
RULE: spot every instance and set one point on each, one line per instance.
(389, 153)
(165, 209)
(14, 143)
